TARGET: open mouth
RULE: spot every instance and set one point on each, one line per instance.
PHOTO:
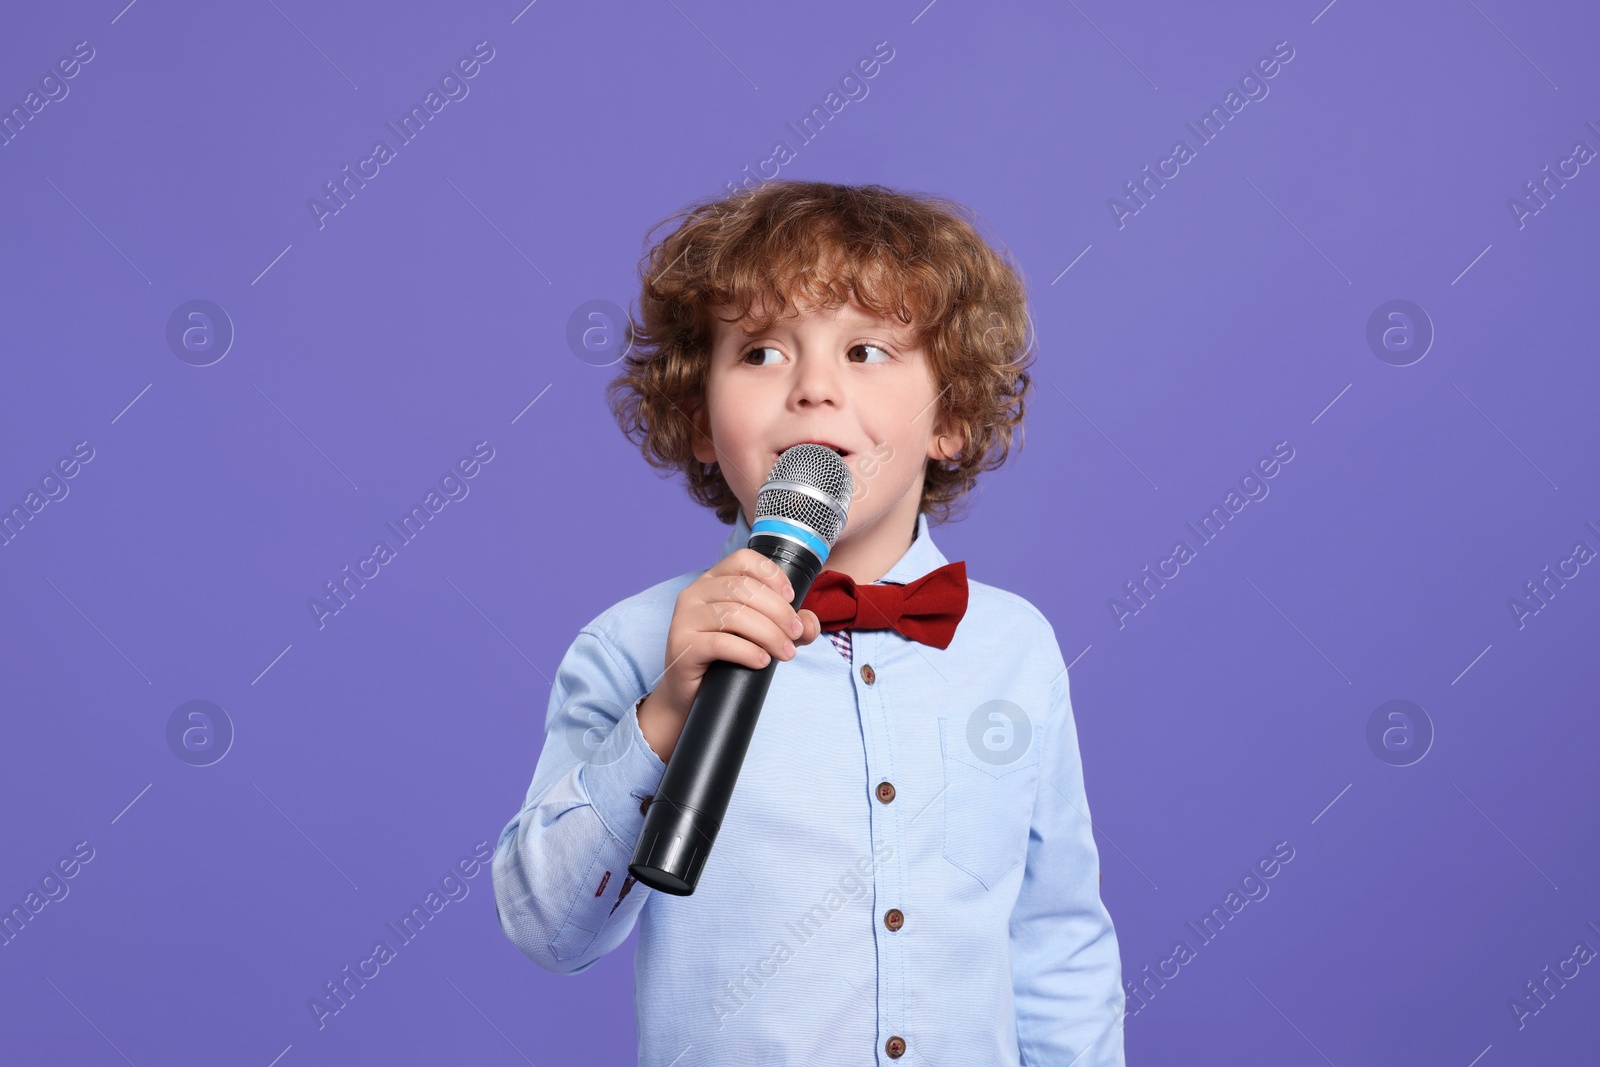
(825, 444)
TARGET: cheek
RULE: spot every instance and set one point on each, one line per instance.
(893, 457)
(742, 413)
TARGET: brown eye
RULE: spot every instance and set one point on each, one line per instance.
(870, 348)
(756, 352)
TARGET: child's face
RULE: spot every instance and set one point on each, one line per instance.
(840, 377)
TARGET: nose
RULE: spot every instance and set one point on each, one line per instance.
(817, 381)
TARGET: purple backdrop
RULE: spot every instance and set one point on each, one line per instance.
(222, 382)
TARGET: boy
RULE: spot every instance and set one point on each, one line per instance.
(906, 871)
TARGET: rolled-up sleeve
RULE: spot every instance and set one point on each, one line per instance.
(561, 884)
(1066, 968)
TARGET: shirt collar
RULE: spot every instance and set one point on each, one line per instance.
(921, 557)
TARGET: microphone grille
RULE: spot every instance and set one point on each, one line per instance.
(810, 485)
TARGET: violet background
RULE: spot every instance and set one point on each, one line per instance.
(369, 355)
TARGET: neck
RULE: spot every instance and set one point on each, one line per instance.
(867, 554)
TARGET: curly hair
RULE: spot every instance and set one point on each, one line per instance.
(912, 257)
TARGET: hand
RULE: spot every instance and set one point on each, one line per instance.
(739, 611)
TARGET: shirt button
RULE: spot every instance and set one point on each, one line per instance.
(895, 1047)
(885, 792)
(644, 805)
(894, 919)
(868, 675)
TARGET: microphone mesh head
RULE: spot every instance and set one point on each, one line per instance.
(821, 470)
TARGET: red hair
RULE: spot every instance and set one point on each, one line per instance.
(911, 257)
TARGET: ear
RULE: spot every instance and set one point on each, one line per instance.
(704, 450)
(947, 440)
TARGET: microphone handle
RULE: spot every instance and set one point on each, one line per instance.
(682, 822)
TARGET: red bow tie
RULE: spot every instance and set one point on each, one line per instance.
(925, 610)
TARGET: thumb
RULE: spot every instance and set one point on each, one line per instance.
(813, 626)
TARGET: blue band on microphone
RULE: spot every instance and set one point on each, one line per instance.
(799, 533)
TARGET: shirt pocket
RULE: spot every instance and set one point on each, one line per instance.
(988, 806)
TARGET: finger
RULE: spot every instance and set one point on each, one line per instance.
(750, 563)
(752, 625)
(732, 648)
(729, 593)
(741, 591)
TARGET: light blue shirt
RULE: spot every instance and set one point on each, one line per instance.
(907, 854)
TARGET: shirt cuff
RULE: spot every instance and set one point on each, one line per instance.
(620, 774)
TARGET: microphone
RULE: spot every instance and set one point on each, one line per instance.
(800, 510)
